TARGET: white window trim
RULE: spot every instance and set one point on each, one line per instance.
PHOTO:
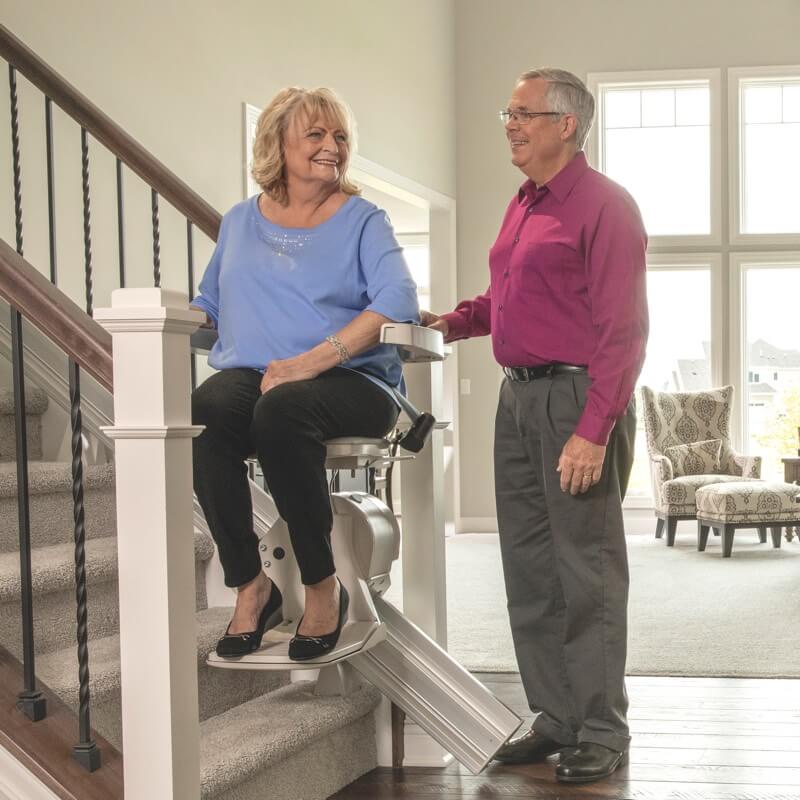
(596, 81)
(693, 261)
(735, 75)
(737, 352)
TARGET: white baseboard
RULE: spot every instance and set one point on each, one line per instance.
(476, 525)
(17, 783)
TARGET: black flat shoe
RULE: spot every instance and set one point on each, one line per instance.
(235, 645)
(590, 762)
(530, 748)
(304, 648)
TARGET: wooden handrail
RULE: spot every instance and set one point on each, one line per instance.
(55, 315)
(106, 131)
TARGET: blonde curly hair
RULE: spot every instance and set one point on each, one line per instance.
(269, 167)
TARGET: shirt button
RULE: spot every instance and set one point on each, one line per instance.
(502, 341)
(500, 307)
(505, 274)
(516, 239)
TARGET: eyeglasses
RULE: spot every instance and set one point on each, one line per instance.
(524, 116)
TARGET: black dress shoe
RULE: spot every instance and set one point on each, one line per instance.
(304, 648)
(235, 645)
(590, 762)
(529, 748)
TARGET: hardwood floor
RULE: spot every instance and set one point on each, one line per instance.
(693, 739)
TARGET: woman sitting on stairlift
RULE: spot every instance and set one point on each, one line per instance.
(302, 278)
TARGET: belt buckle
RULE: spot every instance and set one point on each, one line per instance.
(523, 376)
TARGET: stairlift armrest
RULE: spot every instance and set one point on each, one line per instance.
(414, 343)
(202, 340)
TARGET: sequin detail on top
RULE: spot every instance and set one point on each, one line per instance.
(286, 244)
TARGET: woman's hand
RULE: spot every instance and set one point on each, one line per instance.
(287, 370)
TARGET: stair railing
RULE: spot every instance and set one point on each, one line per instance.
(31, 295)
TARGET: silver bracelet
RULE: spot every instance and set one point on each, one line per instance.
(341, 350)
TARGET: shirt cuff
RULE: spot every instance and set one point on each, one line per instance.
(457, 327)
(594, 428)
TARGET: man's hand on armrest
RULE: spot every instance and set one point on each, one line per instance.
(430, 320)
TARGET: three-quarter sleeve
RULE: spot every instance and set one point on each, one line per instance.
(390, 288)
(616, 271)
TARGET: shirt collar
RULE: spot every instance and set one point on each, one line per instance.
(561, 184)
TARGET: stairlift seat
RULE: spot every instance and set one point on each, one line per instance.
(355, 452)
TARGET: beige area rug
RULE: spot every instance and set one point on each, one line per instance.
(690, 613)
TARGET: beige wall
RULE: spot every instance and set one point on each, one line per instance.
(493, 47)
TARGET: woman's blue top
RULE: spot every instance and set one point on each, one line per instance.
(276, 292)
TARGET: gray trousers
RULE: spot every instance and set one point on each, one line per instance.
(565, 562)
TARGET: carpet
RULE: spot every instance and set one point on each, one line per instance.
(690, 613)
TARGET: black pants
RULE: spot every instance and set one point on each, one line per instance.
(286, 428)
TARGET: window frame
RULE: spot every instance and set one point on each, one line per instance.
(597, 82)
(736, 75)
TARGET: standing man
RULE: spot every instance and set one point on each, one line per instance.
(567, 311)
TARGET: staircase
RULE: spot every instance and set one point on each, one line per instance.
(261, 735)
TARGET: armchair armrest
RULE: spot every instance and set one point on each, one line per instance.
(660, 468)
(746, 466)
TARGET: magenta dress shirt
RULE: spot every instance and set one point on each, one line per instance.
(568, 285)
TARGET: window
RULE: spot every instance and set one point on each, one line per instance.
(769, 285)
(765, 105)
(658, 135)
(680, 356)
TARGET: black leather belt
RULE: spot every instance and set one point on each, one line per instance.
(525, 374)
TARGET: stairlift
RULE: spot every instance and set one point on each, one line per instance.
(378, 642)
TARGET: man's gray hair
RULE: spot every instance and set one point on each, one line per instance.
(566, 94)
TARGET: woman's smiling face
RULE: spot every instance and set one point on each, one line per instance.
(314, 150)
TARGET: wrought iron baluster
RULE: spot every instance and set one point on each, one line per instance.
(87, 219)
(30, 701)
(190, 264)
(120, 227)
(86, 751)
(156, 239)
(51, 191)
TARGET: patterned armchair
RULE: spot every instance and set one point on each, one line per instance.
(688, 440)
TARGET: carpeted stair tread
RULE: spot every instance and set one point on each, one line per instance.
(35, 401)
(58, 669)
(53, 567)
(263, 732)
(53, 476)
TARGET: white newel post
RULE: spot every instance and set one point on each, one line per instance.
(423, 526)
(153, 434)
(422, 506)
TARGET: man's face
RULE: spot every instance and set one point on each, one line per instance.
(535, 143)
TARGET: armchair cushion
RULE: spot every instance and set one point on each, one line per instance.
(677, 496)
(695, 458)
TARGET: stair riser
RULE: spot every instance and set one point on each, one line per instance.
(316, 772)
(218, 690)
(8, 440)
(54, 615)
(53, 518)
